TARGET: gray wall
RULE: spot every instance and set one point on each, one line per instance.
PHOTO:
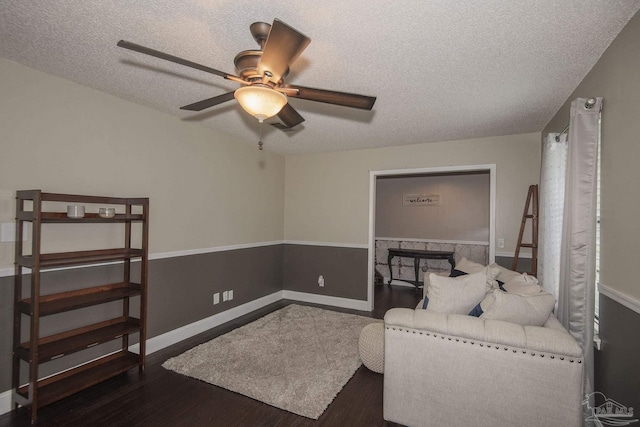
(524, 264)
(180, 292)
(463, 213)
(181, 289)
(616, 365)
(344, 270)
(6, 331)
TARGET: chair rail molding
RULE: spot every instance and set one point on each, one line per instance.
(619, 297)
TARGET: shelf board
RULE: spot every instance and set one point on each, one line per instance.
(76, 198)
(59, 345)
(61, 259)
(61, 217)
(65, 301)
(69, 382)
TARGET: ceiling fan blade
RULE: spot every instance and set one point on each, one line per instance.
(206, 103)
(345, 99)
(289, 118)
(284, 44)
(152, 52)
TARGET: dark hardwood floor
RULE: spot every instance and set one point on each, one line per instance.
(164, 398)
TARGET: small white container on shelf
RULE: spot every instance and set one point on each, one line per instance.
(107, 212)
(75, 211)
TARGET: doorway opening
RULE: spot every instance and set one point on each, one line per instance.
(413, 204)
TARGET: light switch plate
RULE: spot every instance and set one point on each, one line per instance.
(8, 232)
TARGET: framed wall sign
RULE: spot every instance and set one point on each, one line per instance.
(420, 199)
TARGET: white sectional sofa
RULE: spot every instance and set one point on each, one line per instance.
(443, 369)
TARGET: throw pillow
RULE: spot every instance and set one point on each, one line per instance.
(488, 300)
(425, 287)
(525, 310)
(455, 273)
(504, 274)
(523, 278)
(469, 266)
(520, 287)
(425, 303)
(456, 295)
(476, 311)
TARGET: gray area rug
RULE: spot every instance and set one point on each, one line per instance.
(297, 358)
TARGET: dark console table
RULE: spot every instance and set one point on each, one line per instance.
(418, 254)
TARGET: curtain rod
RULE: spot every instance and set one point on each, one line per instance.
(589, 104)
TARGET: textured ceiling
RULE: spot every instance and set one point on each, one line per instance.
(442, 70)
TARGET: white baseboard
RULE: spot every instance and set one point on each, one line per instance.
(6, 401)
(172, 337)
(327, 300)
(182, 333)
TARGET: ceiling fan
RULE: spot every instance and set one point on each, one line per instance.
(261, 73)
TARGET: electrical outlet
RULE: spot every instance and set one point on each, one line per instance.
(216, 298)
(225, 296)
(230, 294)
(501, 243)
(321, 280)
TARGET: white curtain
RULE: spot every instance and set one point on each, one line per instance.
(552, 182)
(574, 283)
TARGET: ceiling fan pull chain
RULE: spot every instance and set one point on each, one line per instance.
(260, 144)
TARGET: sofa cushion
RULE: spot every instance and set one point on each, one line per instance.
(456, 295)
(525, 310)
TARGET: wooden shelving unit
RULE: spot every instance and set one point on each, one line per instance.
(37, 349)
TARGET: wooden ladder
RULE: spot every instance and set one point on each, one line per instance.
(532, 202)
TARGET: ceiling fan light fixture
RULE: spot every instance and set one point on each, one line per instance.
(260, 101)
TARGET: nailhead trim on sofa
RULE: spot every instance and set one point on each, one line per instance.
(482, 344)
